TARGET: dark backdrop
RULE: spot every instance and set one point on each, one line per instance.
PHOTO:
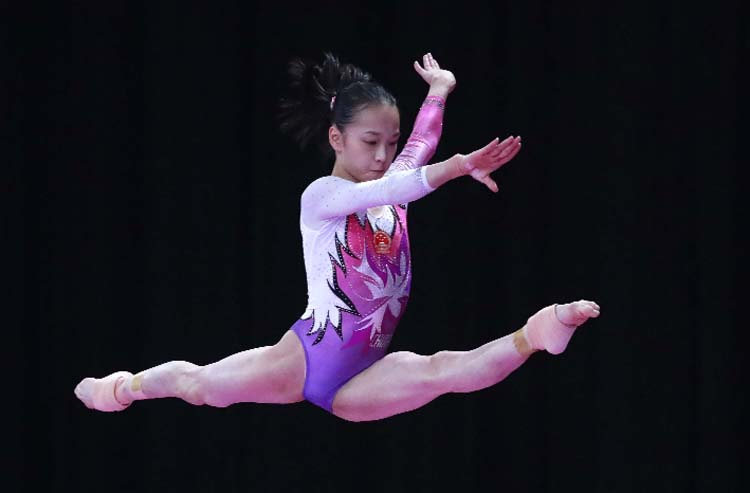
(153, 215)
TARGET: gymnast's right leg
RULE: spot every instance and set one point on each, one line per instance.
(270, 374)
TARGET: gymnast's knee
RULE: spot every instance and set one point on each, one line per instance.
(195, 388)
(438, 367)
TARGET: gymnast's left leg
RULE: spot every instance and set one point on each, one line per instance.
(405, 381)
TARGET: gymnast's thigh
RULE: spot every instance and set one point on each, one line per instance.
(270, 374)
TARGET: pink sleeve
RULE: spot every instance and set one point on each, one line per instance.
(424, 138)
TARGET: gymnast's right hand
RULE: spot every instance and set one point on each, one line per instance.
(480, 163)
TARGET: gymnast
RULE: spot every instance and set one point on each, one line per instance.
(358, 267)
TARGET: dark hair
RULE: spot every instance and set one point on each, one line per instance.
(306, 112)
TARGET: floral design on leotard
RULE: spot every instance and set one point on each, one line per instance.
(372, 286)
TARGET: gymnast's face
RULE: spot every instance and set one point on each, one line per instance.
(367, 146)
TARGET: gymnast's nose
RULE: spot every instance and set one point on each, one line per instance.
(380, 154)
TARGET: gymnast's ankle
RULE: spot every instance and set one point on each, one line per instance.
(129, 389)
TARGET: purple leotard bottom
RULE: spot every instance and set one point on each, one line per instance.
(335, 360)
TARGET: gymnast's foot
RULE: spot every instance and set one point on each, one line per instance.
(552, 327)
(101, 393)
(576, 313)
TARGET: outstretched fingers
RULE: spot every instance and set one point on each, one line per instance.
(502, 156)
(489, 148)
(510, 153)
(428, 64)
(433, 62)
(480, 163)
(506, 147)
(496, 156)
(495, 148)
(506, 142)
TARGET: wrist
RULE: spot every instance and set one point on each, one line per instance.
(441, 173)
(433, 100)
(440, 90)
(459, 166)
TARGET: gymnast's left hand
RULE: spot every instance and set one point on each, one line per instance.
(480, 163)
(436, 77)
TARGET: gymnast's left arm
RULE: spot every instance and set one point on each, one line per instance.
(424, 138)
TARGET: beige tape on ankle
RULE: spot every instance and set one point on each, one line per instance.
(135, 385)
(522, 345)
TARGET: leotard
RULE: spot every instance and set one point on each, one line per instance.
(357, 261)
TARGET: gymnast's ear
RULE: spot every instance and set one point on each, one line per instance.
(336, 139)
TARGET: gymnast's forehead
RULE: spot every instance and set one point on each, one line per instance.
(379, 120)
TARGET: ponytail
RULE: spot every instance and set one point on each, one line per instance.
(321, 95)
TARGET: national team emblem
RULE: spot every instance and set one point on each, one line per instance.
(382, 242)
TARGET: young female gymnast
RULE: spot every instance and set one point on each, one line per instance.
(356, 251)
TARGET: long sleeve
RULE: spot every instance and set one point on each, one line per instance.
(332, 196)
(424, 138)
(404, 182)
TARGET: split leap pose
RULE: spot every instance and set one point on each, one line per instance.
(356, 252)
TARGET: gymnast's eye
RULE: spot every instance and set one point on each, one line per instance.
(370, 142)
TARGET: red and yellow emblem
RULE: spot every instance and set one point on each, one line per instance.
(382, 242)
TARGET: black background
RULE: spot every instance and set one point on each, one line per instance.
(153, 215)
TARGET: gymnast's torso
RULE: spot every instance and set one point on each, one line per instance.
(358, 264)
(358, 276)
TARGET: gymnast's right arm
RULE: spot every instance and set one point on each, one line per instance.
(331, 196)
